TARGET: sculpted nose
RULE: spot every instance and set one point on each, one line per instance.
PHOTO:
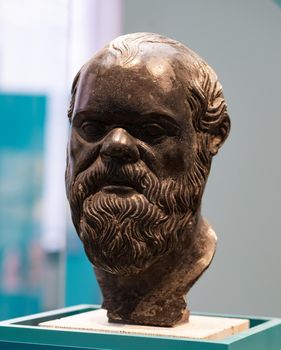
(120, 145)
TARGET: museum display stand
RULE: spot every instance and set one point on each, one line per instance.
(25, 333)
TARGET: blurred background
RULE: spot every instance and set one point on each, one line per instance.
(42, 45)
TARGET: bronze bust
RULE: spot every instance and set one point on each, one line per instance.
(147, 115)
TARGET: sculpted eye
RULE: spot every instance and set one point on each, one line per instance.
(153, 131)
(93, 130)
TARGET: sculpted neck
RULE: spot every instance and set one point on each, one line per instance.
(156, 296)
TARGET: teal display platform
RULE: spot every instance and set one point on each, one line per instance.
(24, 334)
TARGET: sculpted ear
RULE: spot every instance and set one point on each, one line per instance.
(219, 134)
(212, 118)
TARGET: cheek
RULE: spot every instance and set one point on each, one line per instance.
(176, 157)
(81, 154)
(172, 159)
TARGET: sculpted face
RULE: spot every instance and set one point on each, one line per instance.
(125, 115)
(136, 165)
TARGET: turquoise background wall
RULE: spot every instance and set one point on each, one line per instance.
(21, 167)
(81, 285)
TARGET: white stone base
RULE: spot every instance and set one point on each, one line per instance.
(198, 327)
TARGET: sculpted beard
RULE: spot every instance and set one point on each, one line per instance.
(126, 234)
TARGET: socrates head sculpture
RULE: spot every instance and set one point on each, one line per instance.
(147, 116)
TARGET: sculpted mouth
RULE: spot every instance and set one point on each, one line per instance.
(120, 187)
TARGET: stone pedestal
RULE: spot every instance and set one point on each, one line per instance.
(198, 327)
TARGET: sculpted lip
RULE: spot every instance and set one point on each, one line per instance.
(119, 186)
(118, 189)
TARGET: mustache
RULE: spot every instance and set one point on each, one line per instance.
(99, 174)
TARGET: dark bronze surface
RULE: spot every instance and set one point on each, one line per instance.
(147, 115)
